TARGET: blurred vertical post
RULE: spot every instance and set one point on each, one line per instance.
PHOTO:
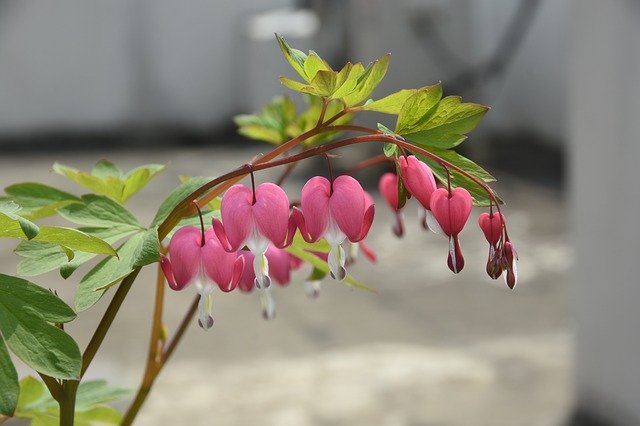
(604, 88)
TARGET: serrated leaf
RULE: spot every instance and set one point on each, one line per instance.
(316, 262)
(391, 104)
(418, 108)
(138, 251)
(176, 196)
(99, 211)
(368, 80)
(26, 310)
(479, 195)
(294, 57)
(38, 200)
(448, 124)
(8, 382)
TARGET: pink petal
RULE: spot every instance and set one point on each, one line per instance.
(271, 212)
(237, 217)
(246, 283)
(314, 201)
(279, 265)
(218, 263)
(418, 179)
(491, 226)
(451, 213)
(388, 187)
(347, 205)
(368, 216)
(185, 255)
(368, 252)
(165, 264)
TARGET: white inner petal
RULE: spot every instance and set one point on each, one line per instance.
(433, 224)
(312, 288)
(452, 253)
(261, 269)
(334, 234)
(268, 304)
(203, 284)
(205, 308)
(336, 263)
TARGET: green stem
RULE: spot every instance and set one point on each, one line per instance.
(55, 388)
(68, 402)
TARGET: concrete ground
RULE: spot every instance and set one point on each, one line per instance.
(430, 348)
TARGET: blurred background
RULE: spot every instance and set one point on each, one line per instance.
(142, 81)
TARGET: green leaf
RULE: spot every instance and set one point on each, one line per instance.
(8, 382)
(36, 404)
(138, 178)
(32, 394)
(38, 200)
(176, 196)
(100, 414)
(391, 104)
(26, 310)
(314, 63)
(139, 250)
(479, 195)
(292, 84)
(323, 84)
(368, 81)
(67, 237)
(109, 186)
(97, 392)
(294, 57)
(104, 169)
(100, 211)
(347, 80)
(418, 108)
(107, 179)
(271, 123)
(320, 264)
(41, 257)
(13, 225)
(447, 126)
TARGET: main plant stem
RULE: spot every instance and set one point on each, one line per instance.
(67, 402)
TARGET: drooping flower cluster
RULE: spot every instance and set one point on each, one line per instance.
(446, 211)
(260, 219)
(247, 248)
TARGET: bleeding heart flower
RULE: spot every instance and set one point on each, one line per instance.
(199, 258)
(491, 225)
(255, 219)
(451, 210)
(418, 179)
(281, 263)
(334, 211)
(511, 257)
(388, 187)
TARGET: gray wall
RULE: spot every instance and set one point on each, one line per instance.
(605, 129)
(105, 63)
